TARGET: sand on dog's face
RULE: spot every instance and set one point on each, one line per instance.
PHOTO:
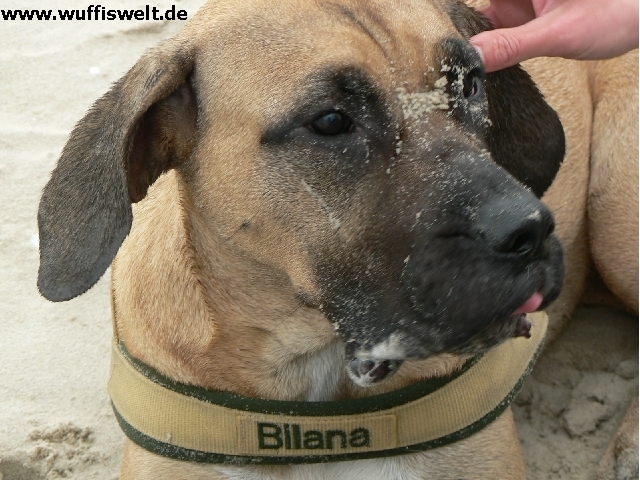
(55, 416)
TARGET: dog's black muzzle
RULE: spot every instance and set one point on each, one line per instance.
(478, 249)
(491, 252)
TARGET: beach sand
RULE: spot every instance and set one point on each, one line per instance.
(55, 415)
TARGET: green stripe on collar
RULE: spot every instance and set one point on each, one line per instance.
(192, 423)
(353, 406)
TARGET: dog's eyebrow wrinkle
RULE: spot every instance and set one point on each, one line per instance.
(346, 13)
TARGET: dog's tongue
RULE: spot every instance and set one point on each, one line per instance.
(530, 305)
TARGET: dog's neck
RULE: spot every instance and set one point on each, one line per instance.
(203, 316)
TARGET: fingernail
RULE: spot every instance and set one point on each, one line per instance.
(479, 51)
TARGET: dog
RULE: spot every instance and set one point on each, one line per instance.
(333, 200)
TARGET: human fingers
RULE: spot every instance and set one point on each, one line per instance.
(505, 47)
(584, 29)
(509, 13)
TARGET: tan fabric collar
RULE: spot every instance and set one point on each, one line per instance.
(191, 423)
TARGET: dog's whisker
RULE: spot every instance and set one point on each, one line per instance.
(243, 226)
(556, 209)
(289, 315)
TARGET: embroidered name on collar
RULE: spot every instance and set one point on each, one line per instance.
(192, 423)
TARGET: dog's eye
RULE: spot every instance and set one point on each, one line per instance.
(331, 123)
(472, 84)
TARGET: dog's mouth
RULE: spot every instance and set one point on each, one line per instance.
(367, 372)
(523, 326)
(369, 368)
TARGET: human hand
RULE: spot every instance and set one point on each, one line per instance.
(579, 29)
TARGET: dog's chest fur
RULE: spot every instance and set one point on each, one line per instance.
(397, 468)
(326, 371)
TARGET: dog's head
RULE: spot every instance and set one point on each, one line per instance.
(356, 147)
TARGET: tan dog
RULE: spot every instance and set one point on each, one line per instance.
(323, 167)
(595, 201)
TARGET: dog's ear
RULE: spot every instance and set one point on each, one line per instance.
(143, 126)
(526, 136)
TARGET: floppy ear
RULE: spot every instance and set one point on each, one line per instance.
(143, 126)
(526, 136)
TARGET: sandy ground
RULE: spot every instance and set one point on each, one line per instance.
(55, 416)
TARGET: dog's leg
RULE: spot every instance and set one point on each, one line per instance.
(613, 188)
(565, 86)
(620, 462)
(502, 461)
(140, 464)
(613, 219)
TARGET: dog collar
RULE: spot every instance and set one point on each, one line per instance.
(191, 423)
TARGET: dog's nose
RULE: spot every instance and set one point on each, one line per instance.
(517, 227)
